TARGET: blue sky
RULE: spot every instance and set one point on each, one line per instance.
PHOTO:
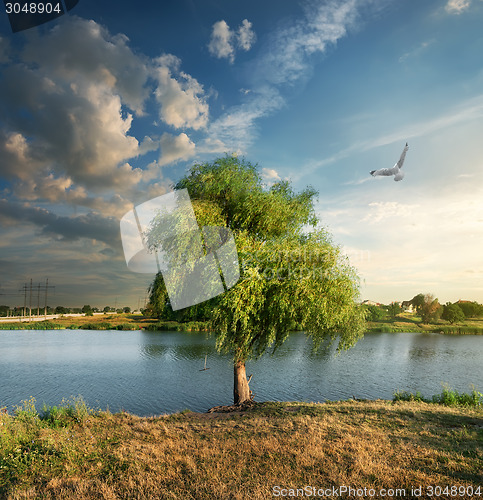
(105, 108)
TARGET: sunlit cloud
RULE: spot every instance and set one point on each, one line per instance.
(457, 6)
(224, 41)
(181, 97)
(176, 148)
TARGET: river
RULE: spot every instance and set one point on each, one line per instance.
(151, 373)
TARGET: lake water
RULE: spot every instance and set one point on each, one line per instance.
(150, 373)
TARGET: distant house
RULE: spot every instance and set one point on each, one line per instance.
(407, 306)
(371, 303)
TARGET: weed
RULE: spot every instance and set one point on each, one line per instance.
(448, 397)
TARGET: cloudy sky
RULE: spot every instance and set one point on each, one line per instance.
(105, 108)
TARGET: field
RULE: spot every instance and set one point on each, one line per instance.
(269, 449)
(97, 322)
(406, 322)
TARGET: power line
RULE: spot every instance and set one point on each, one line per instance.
(29, 288)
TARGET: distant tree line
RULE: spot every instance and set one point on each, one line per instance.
(86, 309)
(429, 308)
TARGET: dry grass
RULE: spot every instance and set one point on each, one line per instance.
(244, 455)
(103, 322)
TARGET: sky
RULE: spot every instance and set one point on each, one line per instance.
(109, 105)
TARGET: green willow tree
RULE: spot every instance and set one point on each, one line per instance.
(289, 278)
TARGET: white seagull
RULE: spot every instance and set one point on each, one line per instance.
(396, 170)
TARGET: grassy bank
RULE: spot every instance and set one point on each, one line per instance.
(401, 323)
(103, 322)
(411, 323)
(72, 452)
(108, 322)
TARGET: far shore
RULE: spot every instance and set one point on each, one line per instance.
(404, 322)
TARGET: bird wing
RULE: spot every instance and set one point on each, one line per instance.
(385, 171)
(399, 164)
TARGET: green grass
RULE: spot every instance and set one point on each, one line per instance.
(114, 322)
(31, 325)
(448, 397)
(405, 322)
(190, 326)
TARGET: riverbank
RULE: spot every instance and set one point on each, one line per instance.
(402, 323)
(412, 323)
(253, 454)
(108, 321)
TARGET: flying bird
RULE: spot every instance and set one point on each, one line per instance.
(396, 170)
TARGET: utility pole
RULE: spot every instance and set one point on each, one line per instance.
(46, 292)
(30, 302)
(38, 300)
(25, 299)
(40, 288)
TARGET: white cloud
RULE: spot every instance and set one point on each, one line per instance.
(223, 40)
(212, 145)
(457, 6)
(270, 174)
(77, 48)
(246, 36)
(392, 210)
(76, 130)
(236, 127)
(82, 88)
(285, 59)
(181, 97)
(175, 148)
(220, 44)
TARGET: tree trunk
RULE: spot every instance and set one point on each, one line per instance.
(241, 391)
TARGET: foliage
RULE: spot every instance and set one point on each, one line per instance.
(429, 310)
(87, 310)
(448, 397)
(70, 410)
(160, 307)
(31, 325)
(394, 308)
(186, 326)
(302, 280)
(375, 313)
(470, 309)
(235, 187)
(287, 277)
(452, 313)
(417, 302)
